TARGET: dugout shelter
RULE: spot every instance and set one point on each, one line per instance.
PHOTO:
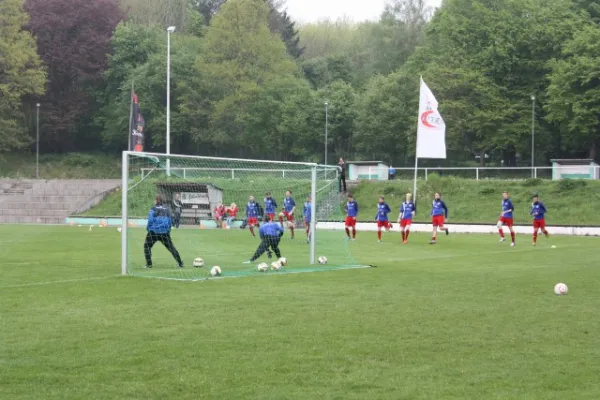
(575, 169)
(198, 199)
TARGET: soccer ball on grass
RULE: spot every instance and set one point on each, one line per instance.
(276, 265)
(198, 262)
(560, 289)
(215, 271)
(322, 260)
(263, 267)
(283, 261)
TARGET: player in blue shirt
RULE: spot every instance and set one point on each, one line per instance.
(506, 218)
(439, 215)
(407, 212)
(270, 207)
(252, 214)
(159, 230)
(307, 213)
(538, 210)
(289, 206)
(351, 214)
(383, 209)
(270, 235)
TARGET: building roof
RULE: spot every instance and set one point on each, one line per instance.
(573, 161)
(365, 162)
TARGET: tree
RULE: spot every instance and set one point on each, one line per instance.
(21, 74)
(73, 39)
(342, 103)
(240, 56)
(574, 93)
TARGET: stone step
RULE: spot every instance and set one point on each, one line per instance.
(11, 219)
(36, 212)
(38, 206)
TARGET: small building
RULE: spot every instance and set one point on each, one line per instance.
(575, 169)
(371, 170)
(198, 199)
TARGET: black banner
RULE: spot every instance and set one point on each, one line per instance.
(137, 126)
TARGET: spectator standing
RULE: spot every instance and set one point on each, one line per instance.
(342, 166)
(177, 207)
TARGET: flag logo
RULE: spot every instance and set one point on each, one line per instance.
(431, 129)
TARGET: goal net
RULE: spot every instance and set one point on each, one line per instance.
(207, 204)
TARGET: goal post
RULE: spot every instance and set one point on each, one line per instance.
(207, 199)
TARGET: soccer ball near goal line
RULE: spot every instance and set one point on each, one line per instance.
(322, 260)
(198, 262)
(215, 271)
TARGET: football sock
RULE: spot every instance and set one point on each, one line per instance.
(535, 237)
(403, 236)
(512, 236)
(379, 235)
(347, 232)
(407, 233)
(292, 232)
(501, 232)
(353, 233)
(252, 231)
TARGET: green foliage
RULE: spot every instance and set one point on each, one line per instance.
(63, 166)
(532, 182)
(568, 186)
(21, 74)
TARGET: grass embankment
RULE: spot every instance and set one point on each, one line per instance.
(569, 202)
(61, 166)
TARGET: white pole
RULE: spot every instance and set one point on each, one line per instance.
(124, 183)
(533, 136)
(37, 142)
(414, 194)
(313, 214)
(326, 123)
(170, 30)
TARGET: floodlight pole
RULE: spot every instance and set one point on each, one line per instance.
(37, 142)
(170, 30)
(326, 133)
(533, 174)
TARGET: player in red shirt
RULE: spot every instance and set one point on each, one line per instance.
(351, 214)
(220, 212)
(232, 211)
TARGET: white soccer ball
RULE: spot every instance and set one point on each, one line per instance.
(198, 262)
(560, 289)
(215, 271)
(322, 260)
(276, 265)
(119, 229)
(283, 261)
(263, 267)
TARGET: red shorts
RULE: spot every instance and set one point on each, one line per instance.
(351, 222)
(539, 224)
(506, 221)
(405, 222)
(383, 224)
(269, 217)
(288, 216)
(437, 220)
(252, 221)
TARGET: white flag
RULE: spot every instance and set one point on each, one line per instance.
(431, 131)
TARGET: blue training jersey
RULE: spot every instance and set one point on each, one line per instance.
(351, 208)
(507, 206)
(288, 204)
(438, 207)
(270, 229)
(252, 209)
(307, 211)
(538, 210)
(382, 212)
(159, 220)
(406, 210)
(270, 205)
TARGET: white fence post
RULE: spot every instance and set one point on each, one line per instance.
(232, 173)
(283, 173)
(426, 172)
(476, 174)
(535, 172)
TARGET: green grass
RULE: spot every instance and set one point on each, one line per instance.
(569, 202)
(61, 166)
(466, 319)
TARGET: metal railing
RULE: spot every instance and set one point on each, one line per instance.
(478, 173)
(238, 173)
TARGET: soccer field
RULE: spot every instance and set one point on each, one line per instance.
(468, 318)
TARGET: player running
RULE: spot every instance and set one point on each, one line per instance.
(307, 213)
(351, 214)
(270, 207)
(252, 214)
(289, 206)
(383, 209)
(506, 218)
(407, 213)
(538, 210)
(439, 215)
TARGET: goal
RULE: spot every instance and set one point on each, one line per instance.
(207, 200)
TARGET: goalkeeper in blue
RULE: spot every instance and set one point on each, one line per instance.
(159, 230)
(270, 235)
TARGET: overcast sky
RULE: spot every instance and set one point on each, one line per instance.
(357, 10)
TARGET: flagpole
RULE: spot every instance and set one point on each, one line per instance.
(130, 118)
(414, 194)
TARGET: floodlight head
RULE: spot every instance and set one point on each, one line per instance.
(532, 98)
(37, 104)
(326, 102)
(171, 29)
